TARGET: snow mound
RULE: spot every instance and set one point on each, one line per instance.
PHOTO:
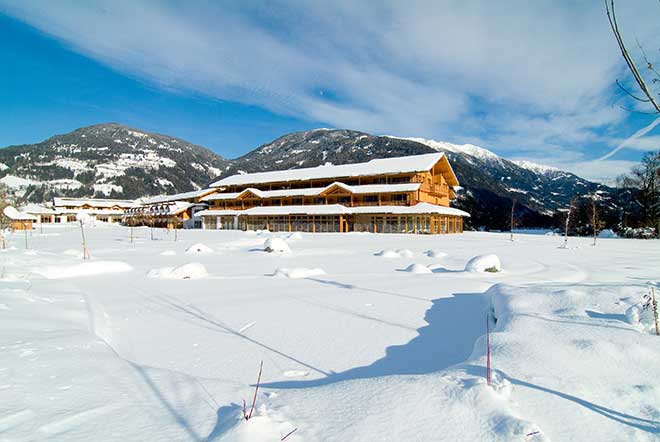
(405, 253)
(276, 245)
(484, 263)
(265, 426)
(168, 253)
(435, 254)
(607, 233)
(641, 317)
(90, 268)
(73, 252)
(193, 270)
(298, 272)
(388, 254)
(418, 269)
(198, 248)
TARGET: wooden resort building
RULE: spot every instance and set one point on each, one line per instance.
(393, 195)
(170, 211)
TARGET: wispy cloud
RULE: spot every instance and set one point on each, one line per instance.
(519, 76)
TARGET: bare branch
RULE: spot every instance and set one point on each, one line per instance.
(643, 100)
(611, 16)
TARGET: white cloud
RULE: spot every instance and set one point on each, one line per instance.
(519, 76)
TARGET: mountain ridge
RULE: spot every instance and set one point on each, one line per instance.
(113, 160)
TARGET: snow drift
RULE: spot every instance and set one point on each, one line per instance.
(418, 269)
(198, 248)
(298, 272)
(276, 245)
(484, 263)
(193, 270)
(90, 268)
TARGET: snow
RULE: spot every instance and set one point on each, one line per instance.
(365, 352)
(484, 263)
(414, 163)
(298, 272)
(535, 167)
(178, 197)
(607, 233)
(193, 270)
(198, 248)
(90, 268)
(641, 317)
(388, 254)
(276, 245)
(13, 214)
(417, 269)
(15, 182)
(106, 188)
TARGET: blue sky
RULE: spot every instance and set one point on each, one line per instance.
(528, 80)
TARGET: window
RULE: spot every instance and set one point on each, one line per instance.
(399, 197)
(297, 201)
(344, 199)
(370, 198)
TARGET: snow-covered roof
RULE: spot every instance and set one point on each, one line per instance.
(338, 209)
(94, 202)
(37, 209)
(178, 196)
(381, 166)
(14, 215)
(314, 191)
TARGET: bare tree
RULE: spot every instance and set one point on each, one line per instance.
(645, 86)
(645, 180)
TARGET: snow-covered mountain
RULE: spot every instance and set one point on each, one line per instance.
(117, 161)
(108, 160)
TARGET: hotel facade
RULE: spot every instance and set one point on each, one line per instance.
(394, 195)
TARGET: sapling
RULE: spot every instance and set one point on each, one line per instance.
(568, 222)
(513, 208)
(25, 234)
(247, 416)
(488, 366)
(650, 303)
(81, 217)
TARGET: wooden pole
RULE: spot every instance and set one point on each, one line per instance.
(25, 230)
(654, 305)
(84, 241)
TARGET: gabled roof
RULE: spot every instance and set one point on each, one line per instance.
(178, 196)
(382, 166)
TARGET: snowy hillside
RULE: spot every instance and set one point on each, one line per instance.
(117, 161)
(162, 340)
(108, 160)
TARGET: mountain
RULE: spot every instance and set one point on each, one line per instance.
(117, 161)
(490, 183)
(108, 160)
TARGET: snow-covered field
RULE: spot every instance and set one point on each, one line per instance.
(162, 340)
